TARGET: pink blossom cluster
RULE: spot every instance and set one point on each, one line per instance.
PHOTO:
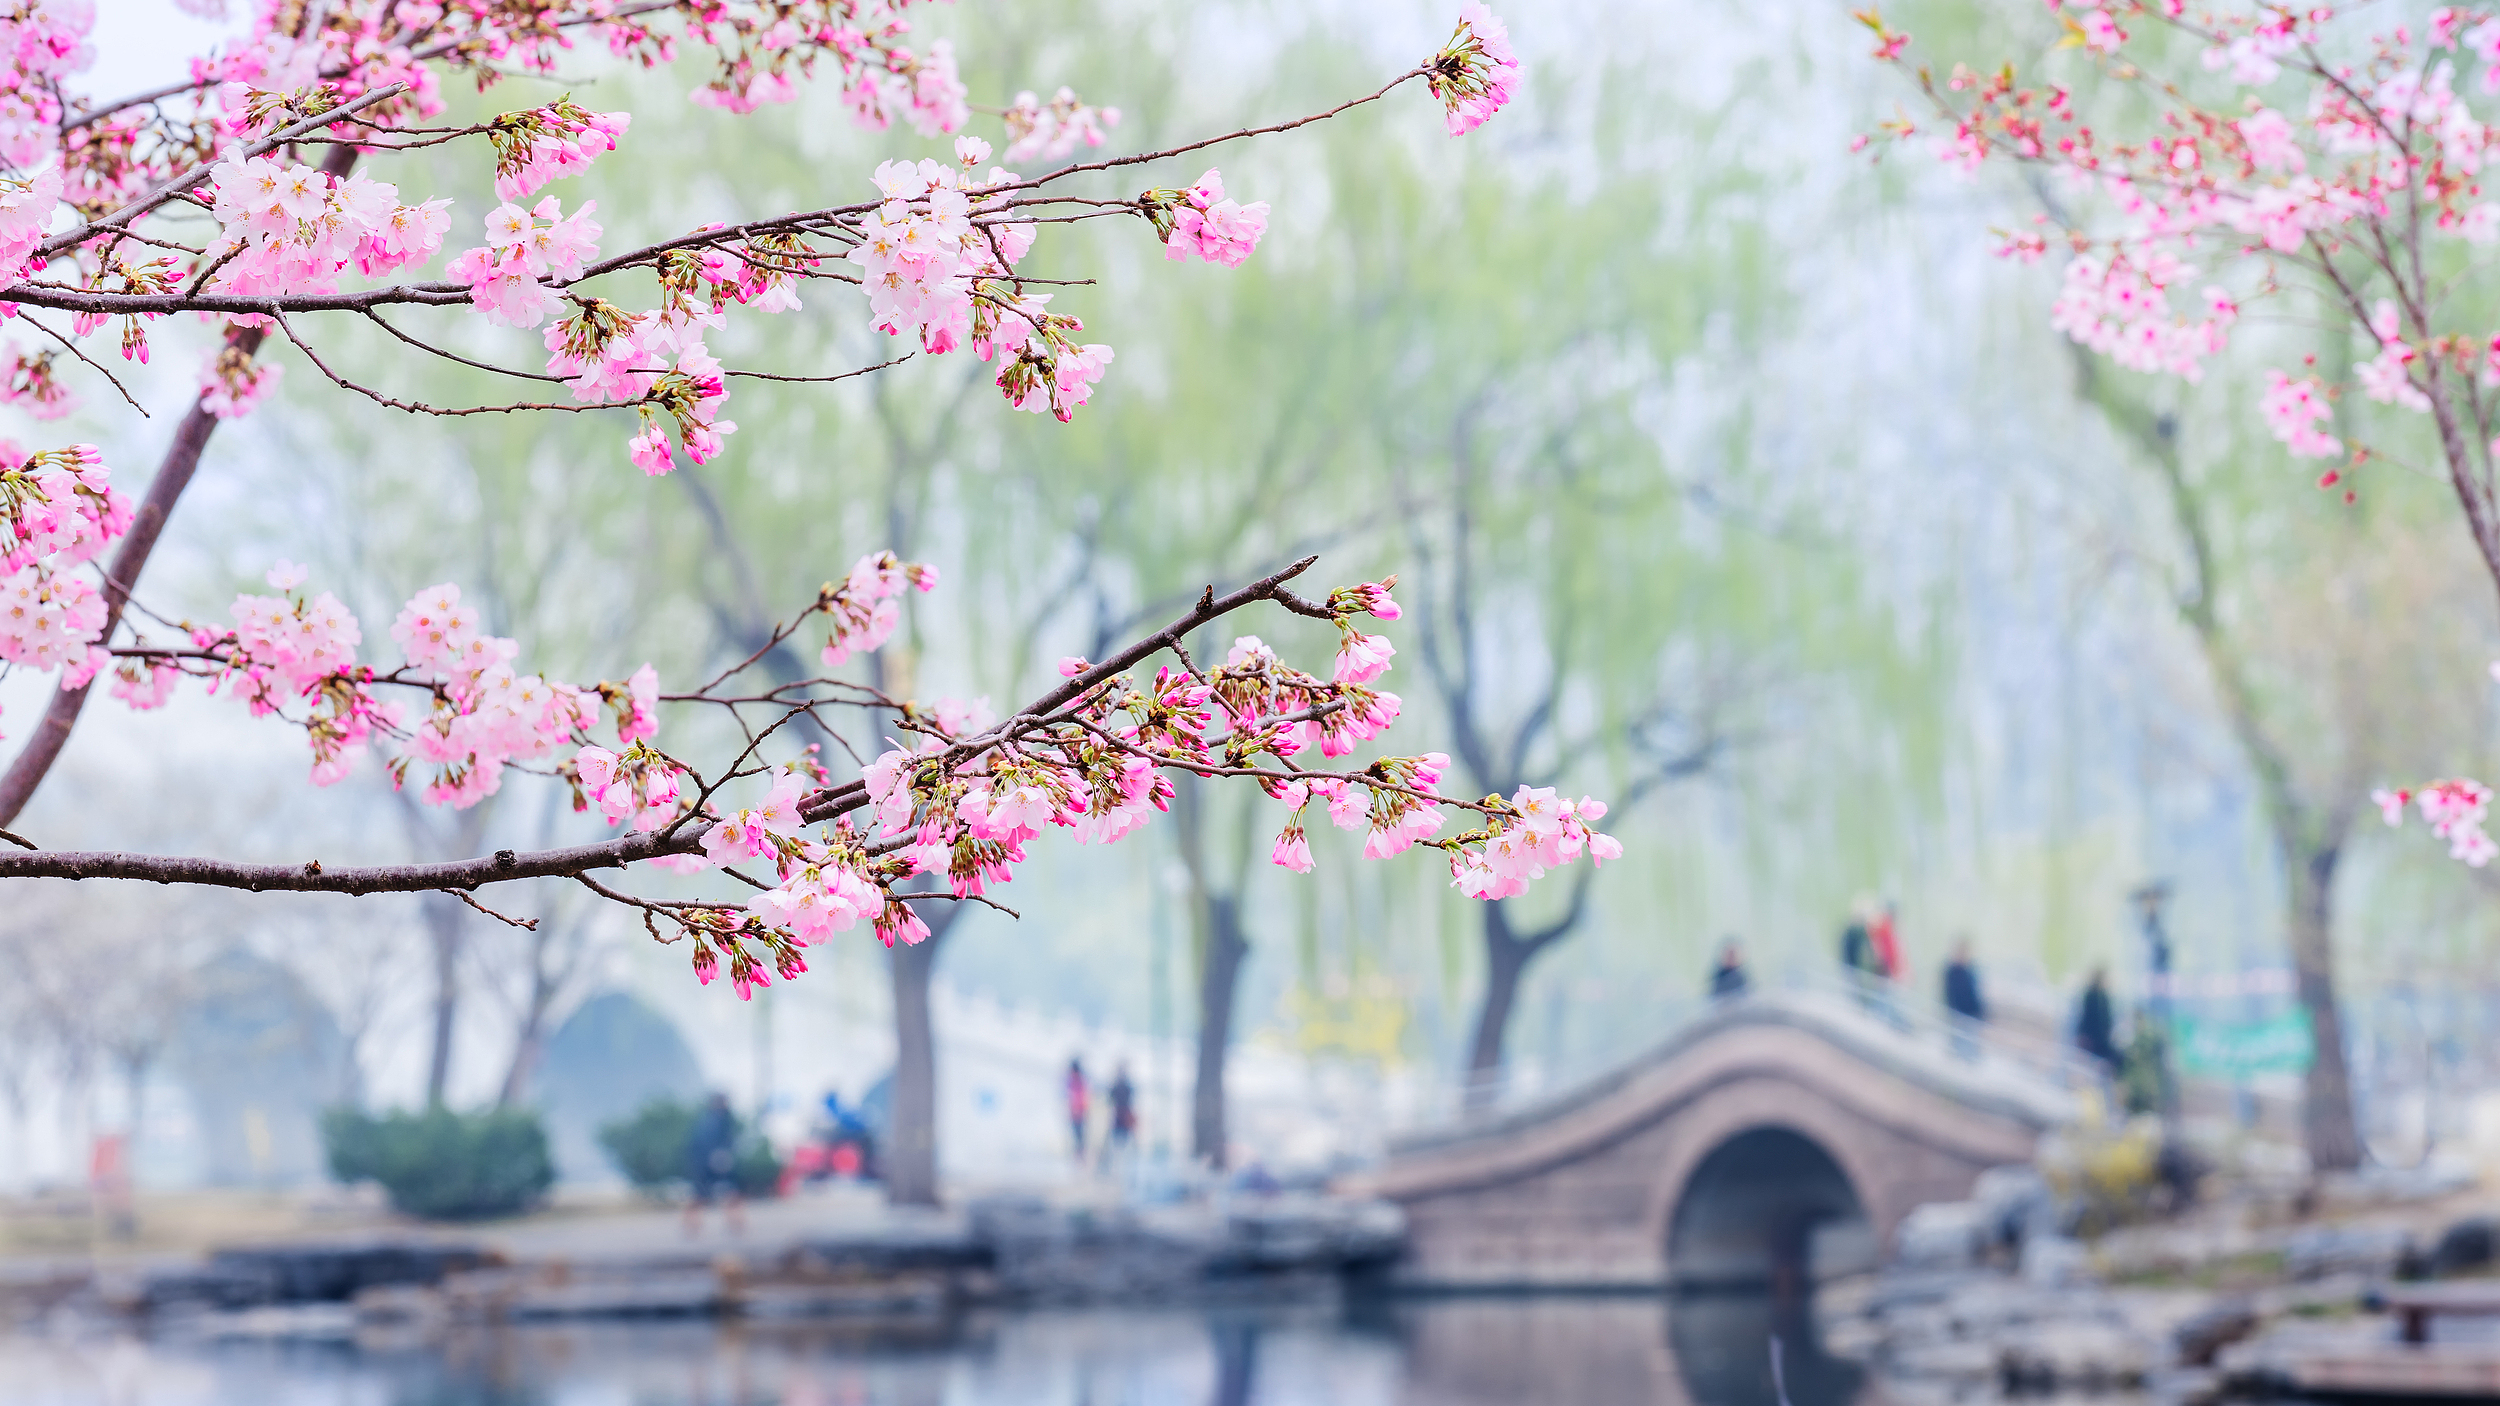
(1291, 711)
(48, 619)
(42, 43)
(1203, 222)
(1543, 832)
(60, 510)
(2255, 55)
(294, 229)
(26, 206)
(2295, 411)
(1052, 130)
(765, 56)
(866, 607)
(638, 785)
(486, 714)
(295, 655)
(2384, 145)
(935, 270)
(920, 253)
(2121, 309)
(972, 820)
(1476, 73)
(550, 143)
(2454, 809)
(292, 641)
(607, 355)
(59, 506)
(2386, 377)
(233, 384)
(1394, 818)
(505, 275)
(285, 649)
(32, 385)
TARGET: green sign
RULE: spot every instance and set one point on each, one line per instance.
(2236, 1049)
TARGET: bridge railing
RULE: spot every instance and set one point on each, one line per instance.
(1883, 1010)
(1926, 1021)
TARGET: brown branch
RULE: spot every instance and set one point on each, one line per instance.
(526, 924)
(500, 867)
(72, 348)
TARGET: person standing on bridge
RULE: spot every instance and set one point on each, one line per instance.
(1080, 1101)
(1961, 997)
(1885, 936)
(1727, 979)
(1123, 1111)
(1858, 965)
(2096, 1023)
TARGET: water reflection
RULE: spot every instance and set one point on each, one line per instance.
(1553, 1350)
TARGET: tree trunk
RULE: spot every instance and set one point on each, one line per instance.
(1505, 961)
(2326, 1100)
(909, 1152)
(1219, 976)
(134, 1083)
(532, 1042)
(444, 929)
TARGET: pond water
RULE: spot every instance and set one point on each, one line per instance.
(1547, 1350)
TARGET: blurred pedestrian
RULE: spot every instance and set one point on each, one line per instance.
(1728, 977)
(1857, 952)
(1884, 936)
(1123, 1109)
(1079, 1104)
(712, 1166)
(2096, 1023)
(1962, 998)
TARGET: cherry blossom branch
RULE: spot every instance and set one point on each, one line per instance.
(682, 837)
(417, 55)
(818, 222)
(182, 183)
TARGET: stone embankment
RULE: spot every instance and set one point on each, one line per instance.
(1002, 1251)
(1991, 1297)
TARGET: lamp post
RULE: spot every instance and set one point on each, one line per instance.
(2148, 899)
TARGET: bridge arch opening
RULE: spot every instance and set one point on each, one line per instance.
(1768, 1209)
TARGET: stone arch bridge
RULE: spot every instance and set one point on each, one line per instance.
(1779, 1133)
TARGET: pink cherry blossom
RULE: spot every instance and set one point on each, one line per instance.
(1361, 657)
(1475, 74)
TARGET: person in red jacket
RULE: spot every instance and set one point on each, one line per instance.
(1080, 1100)
(1887, 939)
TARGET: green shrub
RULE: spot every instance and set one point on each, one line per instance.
(649, 1146)
(650, 1149)
(443, 1165)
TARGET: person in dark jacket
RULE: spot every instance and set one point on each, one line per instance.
(2096, 1022)
(1961, 997)
(712, 1166)
(1123, 1109)
(1857, 949)
(1728, 977)
(1961, 985)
